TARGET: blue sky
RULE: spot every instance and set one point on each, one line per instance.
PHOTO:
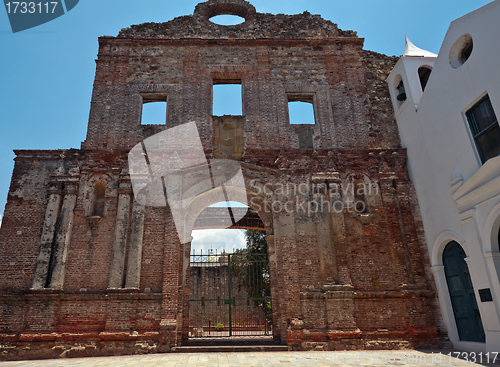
(47, 72)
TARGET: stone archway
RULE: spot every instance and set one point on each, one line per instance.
(263, 209)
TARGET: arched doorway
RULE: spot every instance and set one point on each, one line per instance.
(463, 299)
(229, 292)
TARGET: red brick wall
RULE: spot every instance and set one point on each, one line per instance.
(339, 281)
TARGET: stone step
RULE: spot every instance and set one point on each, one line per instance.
(224, 342)
(230, 348)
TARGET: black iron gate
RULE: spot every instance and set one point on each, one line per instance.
(229, 295)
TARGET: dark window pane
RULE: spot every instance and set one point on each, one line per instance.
(485, 128)
(489, 143)
(498, 243)
(483, 114)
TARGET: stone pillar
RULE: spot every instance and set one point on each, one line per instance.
(121, 236)
(334, 266)
(135, 246)
(48, 232)
(172, 292)
(289, 293)
(341, 313)
(400, 255)
(183, 323)
(273, 270)
(339, 301)
(409, 231)
(402, 229)
(60, 255)
(337, 230)
(326, 246)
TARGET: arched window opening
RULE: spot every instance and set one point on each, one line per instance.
(399, 91)
(424, 73)
(99, 199)
(401, 96)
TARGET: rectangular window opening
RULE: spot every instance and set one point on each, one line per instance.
(227, 98)
(484, 128)
(301, 110)
(154, 113)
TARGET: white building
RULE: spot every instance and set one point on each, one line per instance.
(447, 122)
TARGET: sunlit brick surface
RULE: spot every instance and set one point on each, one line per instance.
(119, 283)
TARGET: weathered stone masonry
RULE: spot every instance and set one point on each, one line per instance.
(83, 274)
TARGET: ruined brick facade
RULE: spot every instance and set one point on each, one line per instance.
(85, 278)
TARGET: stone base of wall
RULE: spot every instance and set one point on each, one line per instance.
(337, 340)
(46, 346)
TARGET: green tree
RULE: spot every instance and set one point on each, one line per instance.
(256, 241)
(251, 268)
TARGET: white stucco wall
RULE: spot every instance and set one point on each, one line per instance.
(434, 129)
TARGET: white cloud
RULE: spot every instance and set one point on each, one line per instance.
(218, 240)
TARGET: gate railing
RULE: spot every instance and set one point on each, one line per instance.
(229, 295)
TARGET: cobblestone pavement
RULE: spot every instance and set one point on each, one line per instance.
(368, 358)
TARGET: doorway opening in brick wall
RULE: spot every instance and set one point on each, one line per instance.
(229, 277)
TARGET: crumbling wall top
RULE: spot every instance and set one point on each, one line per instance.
(256, 25)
